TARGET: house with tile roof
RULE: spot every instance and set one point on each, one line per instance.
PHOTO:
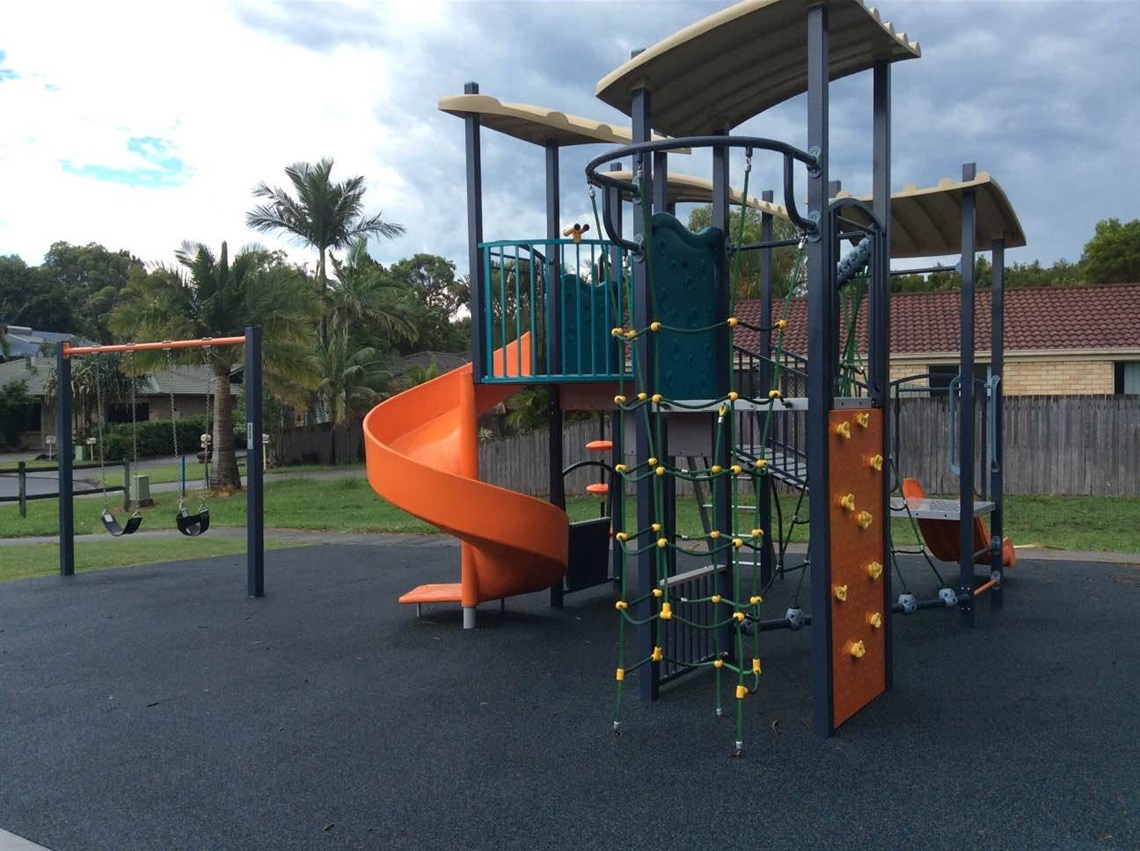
(1076, 340)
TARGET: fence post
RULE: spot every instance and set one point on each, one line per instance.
(22, 475)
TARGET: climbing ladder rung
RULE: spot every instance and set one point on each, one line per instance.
(689, 575)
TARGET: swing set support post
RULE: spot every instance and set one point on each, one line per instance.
(255, 503)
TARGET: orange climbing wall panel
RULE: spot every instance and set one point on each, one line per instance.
(856, 441)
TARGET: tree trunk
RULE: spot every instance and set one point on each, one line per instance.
(224, 471)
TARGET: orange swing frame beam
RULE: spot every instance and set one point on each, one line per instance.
(255, 501)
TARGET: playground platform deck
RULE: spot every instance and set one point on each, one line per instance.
(156, 707)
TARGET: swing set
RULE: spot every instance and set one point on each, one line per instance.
(191, 524)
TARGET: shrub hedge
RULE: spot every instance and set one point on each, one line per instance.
(155, 439)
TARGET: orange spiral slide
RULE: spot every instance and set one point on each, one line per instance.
(421, 448)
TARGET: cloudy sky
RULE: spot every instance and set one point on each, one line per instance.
(140, 125)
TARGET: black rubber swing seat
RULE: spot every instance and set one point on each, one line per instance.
(193, 525)
(112, 525)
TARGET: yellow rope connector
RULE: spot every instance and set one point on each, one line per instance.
(875, 620)
(840, 593)
(715, 533)
(654, 327)
(652, 462)
(738, 542)
(843, 430)
(718, 663)
(716, 598)
(761, 463)
(666, 612)
(620, 674)
(736, 469)
(781, 324)
(656, 655)
(875, 462)
(715, 469)
(631, 334)
(756, 666)
(662, 543)
(621, 605)
(722, 411)
(660, 471)
(741, 692)
(774, 394)
(865, 519)
(657, 592)
(656, 399)
(733, 322)
(738, 617)
(620, 468)
(733, 395)
(863, 419)
(622, 536)
(642, 396)
(617, 332)
(755, 599)
(619, 400)
(857, 649)
(656, 527)
(847, 501)
(757, 533)
(874, 570)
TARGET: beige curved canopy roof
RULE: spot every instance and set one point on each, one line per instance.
(688, 189)
(535, 124)
(723, 70)
(928, 222)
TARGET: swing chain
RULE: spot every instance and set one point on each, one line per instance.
(208, 435)
(174, 427)
(133, 398)
(100, 413)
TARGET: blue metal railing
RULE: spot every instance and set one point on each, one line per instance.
(567, 296)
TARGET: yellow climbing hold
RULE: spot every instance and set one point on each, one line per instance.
(875, 462)
(874, 570)
(843, 429)
(857, 649)
(863, 419)
(840, 593)
(847, 501)
(875, 620)
(865, 519)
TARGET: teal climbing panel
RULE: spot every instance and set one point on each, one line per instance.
(682, 272)
(588, 316)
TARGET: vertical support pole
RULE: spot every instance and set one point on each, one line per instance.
(660, 181)
(821, 369)
(650, 675)
(966, 407)
(880, 316)
(479, 355)
(22, 479)
(996, 460)
(721, 487)
(555, 457)
(64, 440)
(764, 376)
(254, 494)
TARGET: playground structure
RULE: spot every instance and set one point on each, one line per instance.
(188, 523)
(643, 324)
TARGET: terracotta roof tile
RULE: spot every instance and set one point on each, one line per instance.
(1102, 316)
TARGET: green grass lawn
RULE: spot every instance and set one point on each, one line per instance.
(348, 504)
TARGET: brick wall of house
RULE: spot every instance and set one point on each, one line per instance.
(1042, 378)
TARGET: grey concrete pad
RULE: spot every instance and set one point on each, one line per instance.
(157, 708)
(12, 842)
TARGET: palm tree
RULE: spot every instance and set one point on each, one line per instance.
(323, 214)
(209, 296)
(368, 299)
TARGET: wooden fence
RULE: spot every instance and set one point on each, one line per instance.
(1071, 445)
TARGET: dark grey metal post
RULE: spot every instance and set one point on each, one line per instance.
(764, 377)
(821, 370)
(880, 316)
(721, 488)
(997, 449)
(254, 495)
(966, 406)
(63, 438)
(555, 456)
(660, 181)
(640, 111)
(474, 237)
